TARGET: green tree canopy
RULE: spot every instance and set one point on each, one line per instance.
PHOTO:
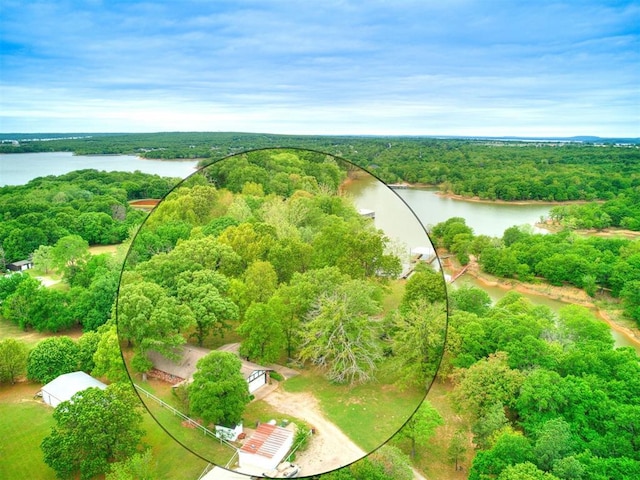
(421, 426)
(340, 334)
(219, 393)
(13, 359)
(93, 429)
(264, 337)
(52, 357)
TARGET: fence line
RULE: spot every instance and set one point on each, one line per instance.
(204, 429)
(206, 470)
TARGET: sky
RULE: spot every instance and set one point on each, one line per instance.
(370, 67)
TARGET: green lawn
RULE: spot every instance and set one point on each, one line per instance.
(31, 337)
(22, 429)
(24, 422)
(172, 460)
(261, 411)
(368, 414)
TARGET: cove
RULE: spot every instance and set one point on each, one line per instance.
(397, 212)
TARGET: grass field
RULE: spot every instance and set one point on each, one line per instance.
(31, 337)
(24, 422)
(171, 425)
(368, 414)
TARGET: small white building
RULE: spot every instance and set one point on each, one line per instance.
(255, 375)
(266, 448)
(66, 386)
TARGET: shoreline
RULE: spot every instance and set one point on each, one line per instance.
(476, 199)
(605, 232)
(562, 294)
(454, 196)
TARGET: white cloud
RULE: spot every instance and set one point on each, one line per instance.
(373, 67)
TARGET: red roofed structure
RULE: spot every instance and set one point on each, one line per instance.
(266, 448)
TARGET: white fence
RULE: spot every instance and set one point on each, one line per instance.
(192, 422)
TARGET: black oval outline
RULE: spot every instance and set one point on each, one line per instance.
(198, 171)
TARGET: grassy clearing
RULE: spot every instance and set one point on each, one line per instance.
(26, 421)
(261, 411)
(98, 249)
(172, 460)
(31, 337)
(171, 425)
(393, 295)
(368, 414)
(190, 439)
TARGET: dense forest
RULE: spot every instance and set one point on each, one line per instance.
(488, 169)
(271, 250)
(267, 244)
(546, 396)
(565, 258)
(88, 203)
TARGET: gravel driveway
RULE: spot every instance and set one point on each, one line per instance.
(328, 448)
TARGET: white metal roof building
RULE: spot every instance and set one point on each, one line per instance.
(66, 386)
(266, 448)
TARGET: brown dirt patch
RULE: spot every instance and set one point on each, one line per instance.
(329, 448)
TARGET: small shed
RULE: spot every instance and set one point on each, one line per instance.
(20, 266)
(255, 375)
(66, 386)
(266, 448)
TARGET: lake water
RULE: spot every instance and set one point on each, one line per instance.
(401, 214)
(485, 218)
(19, 168)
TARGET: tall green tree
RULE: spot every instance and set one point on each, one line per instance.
(150, 319)
(69, 254)
(52, 357)
(107, 359)
(92, 430)
(203, 293)
(43, 258)
(219, 393)
(13, 359)
(425, 285)
(341, 336)
(421, 426)
(487, 382)
(419, 342)
(87, 346)
(264, 338)
(553, 442)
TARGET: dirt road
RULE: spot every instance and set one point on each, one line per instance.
(329, 448)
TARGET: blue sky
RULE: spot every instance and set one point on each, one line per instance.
(446, 67)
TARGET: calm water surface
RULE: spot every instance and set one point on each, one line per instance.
(485, 218)
(19, 168)
(397, 210)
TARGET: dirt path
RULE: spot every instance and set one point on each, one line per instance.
(329, 448)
